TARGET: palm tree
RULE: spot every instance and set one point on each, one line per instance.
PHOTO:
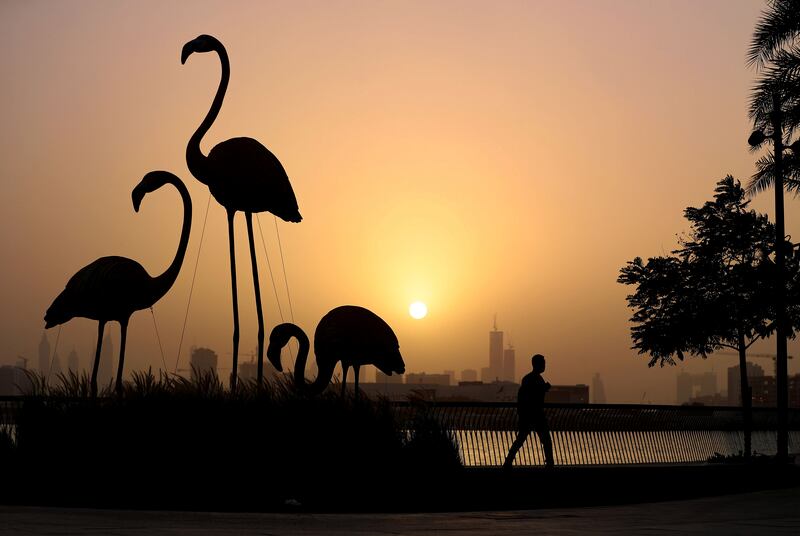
(776, 32)
(775, 53)
(775, 112)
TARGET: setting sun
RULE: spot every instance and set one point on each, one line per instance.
(418, 310)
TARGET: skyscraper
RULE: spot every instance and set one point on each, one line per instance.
(469, 375)
(598, 390)
(44, 355)
(735, 382)
(55, 368)
(495, 353)
(509, 364)
(73, 362)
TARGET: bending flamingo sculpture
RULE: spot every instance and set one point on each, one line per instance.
(353, 335)
(242, 175)
(113, 288)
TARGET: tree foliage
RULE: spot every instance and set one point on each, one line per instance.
(714, 291)
(775, 52)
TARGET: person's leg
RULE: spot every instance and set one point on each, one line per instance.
(543, 431)
(522, 435)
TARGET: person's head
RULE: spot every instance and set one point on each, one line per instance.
(538, 363)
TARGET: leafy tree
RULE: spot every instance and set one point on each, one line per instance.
(712, 293)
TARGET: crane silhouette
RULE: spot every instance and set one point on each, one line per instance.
(113, 288)
(353, 335)
(242, 175)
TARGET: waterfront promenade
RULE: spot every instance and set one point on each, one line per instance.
(757, 513)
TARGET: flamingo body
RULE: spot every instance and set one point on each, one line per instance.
(245, 176)
(110, 288)
(349, 334)
(113, 288)
(242, 175)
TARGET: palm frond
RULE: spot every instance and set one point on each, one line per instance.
(764, 177)
(778, 26)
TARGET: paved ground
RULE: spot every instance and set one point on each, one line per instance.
(760, 513)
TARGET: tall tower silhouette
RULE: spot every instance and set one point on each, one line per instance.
(55, 368)
(509, 364)
(73, 362)
(495, 353)
(105, 370)
(44, 355)
(598, 390)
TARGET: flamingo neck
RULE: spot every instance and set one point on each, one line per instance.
(163, 282)
(195, 159)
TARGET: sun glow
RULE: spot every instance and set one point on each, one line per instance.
(418, 310)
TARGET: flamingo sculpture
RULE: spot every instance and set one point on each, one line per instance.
(113, 288)
(353, 335)
(242, 175)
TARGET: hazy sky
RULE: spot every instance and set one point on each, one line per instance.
(482, 157)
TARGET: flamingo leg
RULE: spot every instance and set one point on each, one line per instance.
(344, 378)
(123, 325)
(249, 217)
(100, 326)
(356, 369)
(234, 371)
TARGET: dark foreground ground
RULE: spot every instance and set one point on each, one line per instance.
(459, 490)
(756, 513)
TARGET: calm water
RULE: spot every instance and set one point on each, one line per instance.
(481, 448)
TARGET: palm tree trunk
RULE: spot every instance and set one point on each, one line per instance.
(747, 395)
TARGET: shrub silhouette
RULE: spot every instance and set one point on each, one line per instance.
(169, 436)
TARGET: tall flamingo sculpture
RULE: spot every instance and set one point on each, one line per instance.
(242, 175)
(113, 288)
(353, 335)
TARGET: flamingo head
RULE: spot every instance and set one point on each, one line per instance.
(201, 43)
(392, 362)
(277, 340)
(150, 183)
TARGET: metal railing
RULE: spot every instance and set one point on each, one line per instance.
(582, 434)
(602, 434)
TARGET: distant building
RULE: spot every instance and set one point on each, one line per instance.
(509, 365)
(765, 392)
(73, 362)
(717, 399)
(55, 368)
(44, 355)
(689, 386)
(382, 378)
(469, 375)
(734, 381)
(202, 361)
(471, 391)
(248, 370)
(486, 375)
(495, 372)
(13, 381)
(417, 378)
(452, 375)
(598, 390)
(568, 394)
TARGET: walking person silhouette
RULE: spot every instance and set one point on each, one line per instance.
(530, 407)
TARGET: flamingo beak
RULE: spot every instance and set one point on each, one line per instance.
(137, 196)
(274, 356)
(187, 51)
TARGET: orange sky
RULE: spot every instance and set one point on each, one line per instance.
(482, 158)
